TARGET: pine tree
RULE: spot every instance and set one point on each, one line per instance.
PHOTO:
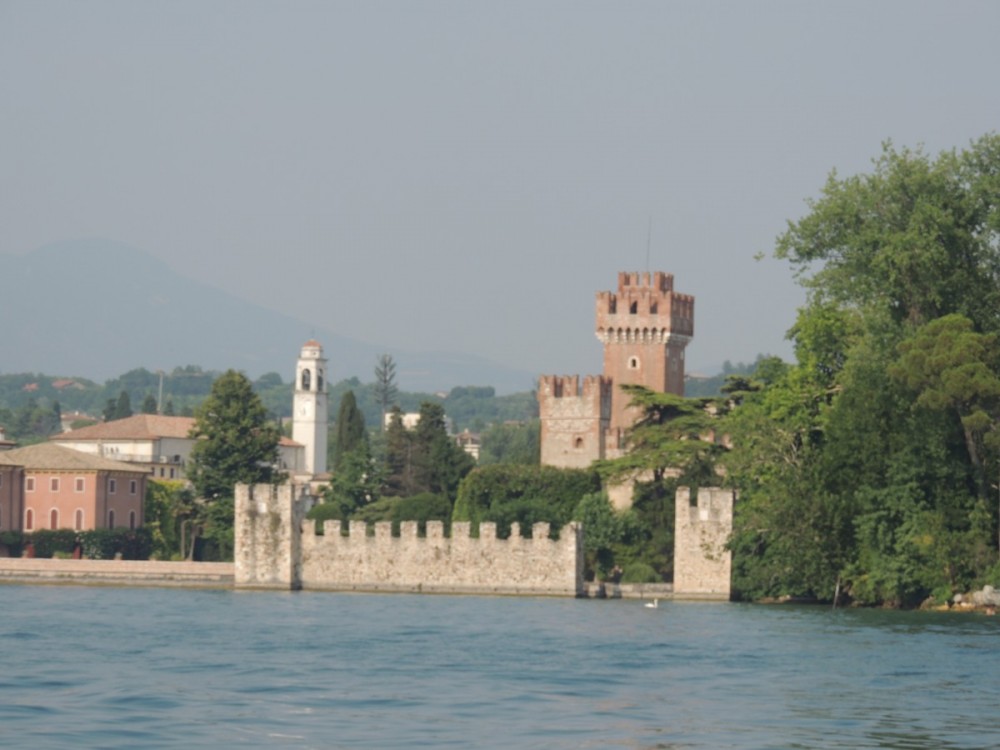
(385, 384)
(149, 404)
(351, 433)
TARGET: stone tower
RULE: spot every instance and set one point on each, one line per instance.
(310, 411)
(644, 326)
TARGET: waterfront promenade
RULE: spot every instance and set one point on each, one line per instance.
(212, 575)
(116, 572)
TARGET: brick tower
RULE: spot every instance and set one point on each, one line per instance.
(645, 326)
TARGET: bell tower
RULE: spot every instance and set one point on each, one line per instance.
(310, 411)
(645, 327)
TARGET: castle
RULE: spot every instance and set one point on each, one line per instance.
(644, 327)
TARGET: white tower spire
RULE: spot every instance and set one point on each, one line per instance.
(309, 408)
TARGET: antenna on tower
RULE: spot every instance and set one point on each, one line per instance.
(649, 240)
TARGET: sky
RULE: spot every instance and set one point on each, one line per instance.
(465, 175)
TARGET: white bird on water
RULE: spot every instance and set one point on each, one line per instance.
(653, 604)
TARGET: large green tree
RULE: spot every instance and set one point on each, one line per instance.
(862, 467)
(236, 443)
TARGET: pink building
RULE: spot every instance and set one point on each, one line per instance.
(47, 486)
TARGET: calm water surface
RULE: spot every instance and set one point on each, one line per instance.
(146, 668)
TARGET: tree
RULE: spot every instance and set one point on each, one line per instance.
(916, 239)
(398, 456)
(859, 467)
(518, 443)
(118, 409)
(438, 462)
(149, 404)
(672, 433)
(236, 442)
(385, 384)
(350, 429)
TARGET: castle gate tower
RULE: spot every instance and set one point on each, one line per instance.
(644, 327)
(310, 411)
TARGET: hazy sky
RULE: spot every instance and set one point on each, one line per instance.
(466, 175)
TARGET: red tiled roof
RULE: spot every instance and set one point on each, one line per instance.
(136, 427)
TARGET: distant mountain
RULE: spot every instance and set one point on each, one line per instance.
(95, 308)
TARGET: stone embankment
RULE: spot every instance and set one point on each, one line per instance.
(987, 600)
(116, 572)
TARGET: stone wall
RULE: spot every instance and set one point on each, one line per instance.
(275, 548)
(266, 526)
(702, 564)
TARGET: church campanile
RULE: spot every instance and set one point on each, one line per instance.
(309, 408)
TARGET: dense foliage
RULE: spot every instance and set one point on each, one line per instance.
(96, 544)
(866, 468)
(508, 493)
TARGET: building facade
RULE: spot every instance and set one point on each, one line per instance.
(644, 328)
(48, 486)
(159, 443)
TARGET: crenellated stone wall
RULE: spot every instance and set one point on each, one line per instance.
(702, 526)
(276, 548)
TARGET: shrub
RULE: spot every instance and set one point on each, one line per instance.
(104, 544)
(325, 512)
(640, 572)
(48, 542)
(14, 542)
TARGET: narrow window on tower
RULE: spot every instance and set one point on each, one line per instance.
(633, 308)
(633, 363)
(306, 380)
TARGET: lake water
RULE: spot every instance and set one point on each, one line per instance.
(163, 668)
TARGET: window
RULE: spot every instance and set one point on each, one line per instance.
(633, 308)
(111, 519)
(306, 379)
(133, 486)
(79, 484)
(78, 520)
(1, 516)
(131, 520)
(29, 519)
(112, 486)
(53, 484)
(578, 443)
(1, 480)
(54, 519)
(29, 484)
(633, 363)
(171, 473)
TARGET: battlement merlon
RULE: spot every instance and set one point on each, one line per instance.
(644, 302)
(334, 531)
(661, 281)
(570, 386)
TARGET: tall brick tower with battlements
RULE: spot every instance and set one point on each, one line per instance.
(644, 326)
